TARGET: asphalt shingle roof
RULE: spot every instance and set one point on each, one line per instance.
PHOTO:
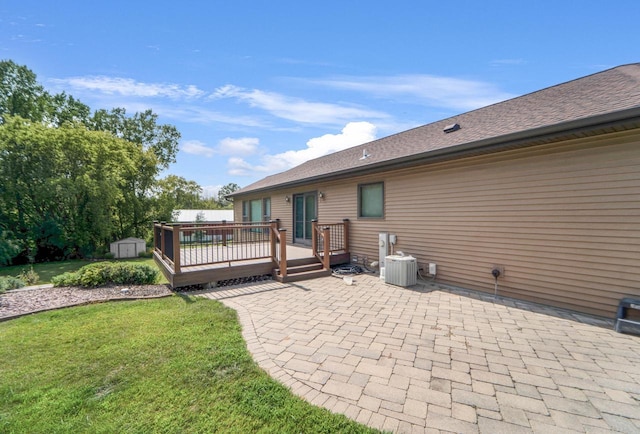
(605, 92)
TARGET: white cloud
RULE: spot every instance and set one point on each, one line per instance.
(237, 147)
(210, 190)
(241, 146)
(239, 167)
(196, 147)
(130, 87)
(185, 103)
(449, 92)
(296, 109)
(353, 134)
(194, 114)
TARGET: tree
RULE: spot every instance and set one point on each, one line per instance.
(159, 144)
(225, 191)
(175, 192)
(209, 203)
(71, 181)
(62, 187)
(9, 246)
(141, 128)
(62, 108)
(20, 93)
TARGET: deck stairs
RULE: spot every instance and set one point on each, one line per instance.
(301, 269)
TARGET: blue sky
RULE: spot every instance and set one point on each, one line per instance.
(256, 87)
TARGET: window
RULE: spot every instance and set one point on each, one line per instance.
(256, 210)
(245, 211)
(266, 208)
(371, 200)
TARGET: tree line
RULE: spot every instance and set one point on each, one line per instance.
(72, 180)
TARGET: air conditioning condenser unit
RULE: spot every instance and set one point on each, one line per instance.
(400, 270)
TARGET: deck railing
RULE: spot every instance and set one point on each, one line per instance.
(196, 244)
(329, 239)
(184, 245)
(279, 246)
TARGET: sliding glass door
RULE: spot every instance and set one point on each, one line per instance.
(304, 210)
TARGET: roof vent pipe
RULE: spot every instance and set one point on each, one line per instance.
(451, 128)
(365, 155)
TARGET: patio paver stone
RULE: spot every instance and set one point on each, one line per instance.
(433, 358)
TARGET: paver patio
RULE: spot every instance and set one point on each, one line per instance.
(432, 358)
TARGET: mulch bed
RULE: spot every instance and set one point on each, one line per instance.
(21, 302)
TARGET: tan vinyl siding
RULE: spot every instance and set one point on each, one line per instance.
(283, 210)
(564, 223)
(280, 209)
(563, 220)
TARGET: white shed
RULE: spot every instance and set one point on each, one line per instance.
(128, 247)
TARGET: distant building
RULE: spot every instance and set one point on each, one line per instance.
(204, 215)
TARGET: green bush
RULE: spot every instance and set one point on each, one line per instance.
(30, 277)
(108, 255)
(104, 273)
(145, 254)
(10, 282)
(65, 279)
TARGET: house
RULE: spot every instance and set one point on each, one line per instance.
(545, 187)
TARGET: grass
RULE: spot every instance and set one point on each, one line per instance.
(46, 270)
(172, 365)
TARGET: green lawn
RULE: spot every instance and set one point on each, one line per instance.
(46, 270)
(170, 365)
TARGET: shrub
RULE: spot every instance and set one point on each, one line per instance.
(104, 273)
(108, 255)
(64, 279)
(30, 277)
(10, 282)
(145, 254)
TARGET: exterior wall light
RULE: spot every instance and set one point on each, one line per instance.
(286, 199)
(321, 195)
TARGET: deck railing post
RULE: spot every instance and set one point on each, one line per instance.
(273, 238)
(345, 222)
(283, 252)
(326, 236)
(314, 236)
(155, 235)
(224, 233)
(162, 239)
(176, 248)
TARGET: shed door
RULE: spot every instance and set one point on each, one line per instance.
(126, 250)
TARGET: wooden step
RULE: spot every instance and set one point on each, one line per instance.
(303, 275)
(302, 261)
(300, 268)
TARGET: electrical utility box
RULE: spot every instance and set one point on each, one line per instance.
(383, 251)
(400, 270)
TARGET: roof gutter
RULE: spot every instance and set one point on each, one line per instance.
(515, 140)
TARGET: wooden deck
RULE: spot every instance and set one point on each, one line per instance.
(212, 252)
(207, 273)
